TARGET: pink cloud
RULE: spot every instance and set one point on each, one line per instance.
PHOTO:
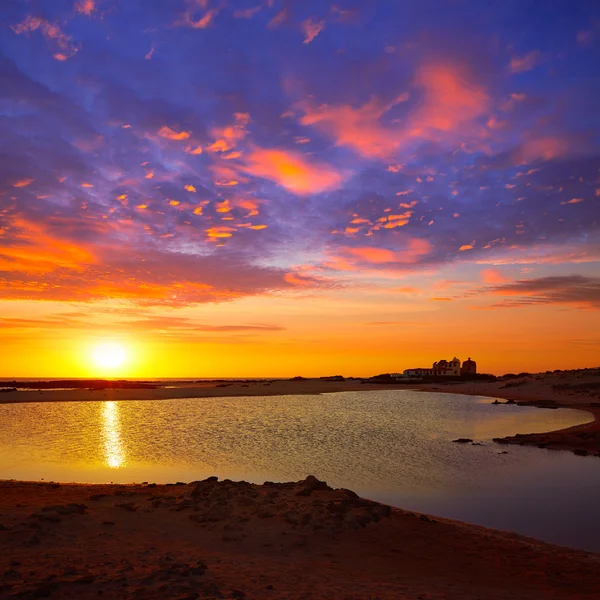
(521, 64)
(312, 29)
(292, 171)
(50, 31)
(449, 104)
(85, 7)
(414, 250)
(492, 276)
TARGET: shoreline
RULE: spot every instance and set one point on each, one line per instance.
(582, 440)
(294, 540)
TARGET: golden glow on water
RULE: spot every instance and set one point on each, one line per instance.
(113, 447)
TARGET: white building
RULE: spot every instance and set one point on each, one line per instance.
(441, 368)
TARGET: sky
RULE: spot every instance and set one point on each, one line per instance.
(284, 187)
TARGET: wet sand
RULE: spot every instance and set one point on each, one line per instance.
(237, 540)
(208, 389)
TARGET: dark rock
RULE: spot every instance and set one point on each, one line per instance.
(311, 484)
(66, 509)
(463, 441)
(85, 580)
(128, 506)
(95, 497)
(580, 452)
(12, 575)
(425, 518)
(108, 523)
(45, 591)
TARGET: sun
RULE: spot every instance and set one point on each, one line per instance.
(109, 355)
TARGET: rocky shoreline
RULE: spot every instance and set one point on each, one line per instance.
(565, 389)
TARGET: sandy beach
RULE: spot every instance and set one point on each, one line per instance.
(237, 540)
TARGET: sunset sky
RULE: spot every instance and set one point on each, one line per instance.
(283, 187)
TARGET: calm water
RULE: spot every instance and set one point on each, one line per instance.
(393, 446)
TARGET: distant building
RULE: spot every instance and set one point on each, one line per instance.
(420, 372)
(444, 368)
(469, 367)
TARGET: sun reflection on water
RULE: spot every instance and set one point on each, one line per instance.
(113, 448)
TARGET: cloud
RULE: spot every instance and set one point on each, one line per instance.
(188, 20)
(51, 31)
(247, 13)
(493, 276)
(448, 103)
(521, 64)
(572, 290)
(311, 29)
(412, 251)
(85, 7)
(359, 128)
(170, 134)
(292, 171)
(32, 248)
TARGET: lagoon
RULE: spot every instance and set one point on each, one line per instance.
(394, 446)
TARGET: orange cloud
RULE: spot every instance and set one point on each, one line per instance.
(249, 205)
(311, 30)
(189, 188)
(170, 134)
(414, 249)
(292, 171)
(492, 276)
(23, 183)
(85, 7)
(466, 247)
(227, 137)
(223, 207)
(33, 250)
(196, 150)
(373, 255)
(220, 232)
